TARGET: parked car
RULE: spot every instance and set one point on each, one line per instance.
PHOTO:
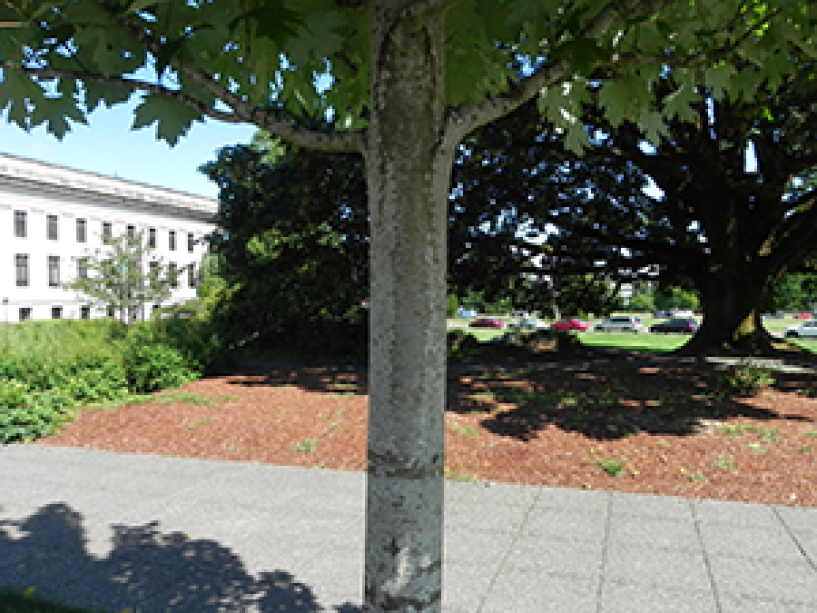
(621, 323)
(682, 325)
(661, 314)
(463, 312)
(526, 323)
(486, 322)
(805, 330)
(803, 316)
(681, 313)
(571, 323)
(775, 315)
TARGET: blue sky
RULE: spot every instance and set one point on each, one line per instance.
(108, 146)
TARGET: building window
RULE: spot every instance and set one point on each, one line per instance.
(52, 230)
(152, 238)
(153, 273)
(172, 272)
(191, 275)
(56, 312)
(191, 242)
(25, 313)
(107, 229)
(171, 240)
(131, 231)
(53, 271)
(82, 231)
(82, 268)
(85, 312)
(20, 229)
(21, 268)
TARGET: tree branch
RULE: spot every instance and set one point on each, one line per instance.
(424, 10)
(466, 117)
(151, 88)
(243, 111)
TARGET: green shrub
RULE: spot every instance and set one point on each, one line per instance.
(196, 339)
(26, 415)
(747, 378)
(155, 366)
(13, 394)
(49, 367)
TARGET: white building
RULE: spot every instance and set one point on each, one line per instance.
(51, 215)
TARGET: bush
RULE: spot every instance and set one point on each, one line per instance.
(197, 339)
(48, 368)
(748, 379)
(26, 415)
(155, 366)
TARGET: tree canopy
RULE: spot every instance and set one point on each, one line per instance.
(256, 61)
(296, 218)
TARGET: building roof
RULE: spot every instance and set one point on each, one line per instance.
(24, 172)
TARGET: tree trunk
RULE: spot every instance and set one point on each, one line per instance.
(731, 318)
(408, 180)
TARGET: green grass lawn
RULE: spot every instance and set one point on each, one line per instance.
(807, 344)
(649, 343)
(486, 334)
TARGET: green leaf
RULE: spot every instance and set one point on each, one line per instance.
(719, 79)
(584, 53)
(623, 98)
(321, 38)
(19, 93)
(58, 114)
(679, 104)
(109, 95)
(140, 5)
(653, 126)
(173, 118)
(272, 20)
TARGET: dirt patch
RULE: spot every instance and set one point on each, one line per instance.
(654, 429)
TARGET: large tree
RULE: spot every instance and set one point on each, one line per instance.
(408, 79)
(729, 227)
(298, 219)
(722, 204)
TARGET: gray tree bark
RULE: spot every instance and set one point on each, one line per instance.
(408, 173)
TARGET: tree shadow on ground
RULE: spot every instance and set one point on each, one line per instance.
(146, 570)
(345, 380)
(353, 380)
(601, 395)
(612, 403)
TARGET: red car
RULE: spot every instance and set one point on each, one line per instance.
(564, 325)
(486, 322)
(803, 316)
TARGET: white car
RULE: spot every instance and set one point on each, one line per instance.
(805, 330)
(621, 323)
(682, 313)
(527, 323)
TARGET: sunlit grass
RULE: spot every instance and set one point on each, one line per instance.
(648, 343)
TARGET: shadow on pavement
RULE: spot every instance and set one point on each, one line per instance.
(145, 570)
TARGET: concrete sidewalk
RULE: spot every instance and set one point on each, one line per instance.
(116, 531)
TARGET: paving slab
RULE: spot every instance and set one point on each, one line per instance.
(157, 534)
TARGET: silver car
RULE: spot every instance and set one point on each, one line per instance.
(805, 330)
(621, 323)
